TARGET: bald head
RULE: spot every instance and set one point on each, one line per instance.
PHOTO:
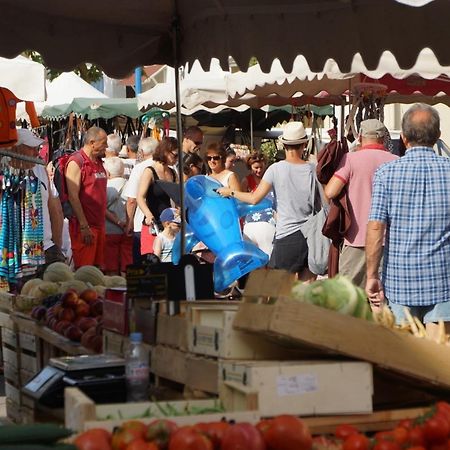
(94, 134)
(421, 126)
(95, 142)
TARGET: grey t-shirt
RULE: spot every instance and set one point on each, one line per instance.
(292, 187)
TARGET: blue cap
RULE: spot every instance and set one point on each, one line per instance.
(169, 215)
(136, 337)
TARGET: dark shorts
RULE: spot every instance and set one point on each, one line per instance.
(290, 253)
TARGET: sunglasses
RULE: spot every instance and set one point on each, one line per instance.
(213, 158)
(174, 154)
(197, 143)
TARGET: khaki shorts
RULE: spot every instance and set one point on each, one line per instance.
(352, 264)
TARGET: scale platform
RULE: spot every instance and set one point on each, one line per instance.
(101, 377)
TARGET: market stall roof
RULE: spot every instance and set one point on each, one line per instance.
(68, 86)
(24, 78)
(95, 108)
(119, 37)
(425, 79)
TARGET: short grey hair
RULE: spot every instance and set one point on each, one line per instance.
(148, 146)
(114, 143)
(421, 125)
(114, 166)
(133, 143)
(94, 134)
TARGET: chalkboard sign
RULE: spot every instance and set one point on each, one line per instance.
(142, 283)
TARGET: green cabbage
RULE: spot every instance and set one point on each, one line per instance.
(338, 294)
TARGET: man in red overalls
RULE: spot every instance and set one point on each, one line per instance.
(86, 186)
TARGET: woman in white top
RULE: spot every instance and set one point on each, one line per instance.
(215, 158)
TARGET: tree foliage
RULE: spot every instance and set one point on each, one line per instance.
(88, 72)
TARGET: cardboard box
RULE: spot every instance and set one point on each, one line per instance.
(294, 387)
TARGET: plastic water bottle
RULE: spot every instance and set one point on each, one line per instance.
(136, 369)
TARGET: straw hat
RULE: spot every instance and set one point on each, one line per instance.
(293, 134)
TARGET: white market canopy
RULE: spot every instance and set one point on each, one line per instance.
(427, 80)
(119, 37)
(24, 78)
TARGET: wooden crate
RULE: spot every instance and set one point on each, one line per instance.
(169, 363)
(310, 326)
(211, 333)
(294, 387)
(172, 331)
(81, 413)
(202, 374)
(114, 343)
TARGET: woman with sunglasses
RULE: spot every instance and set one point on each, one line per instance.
(259, 227)
(151, 198)
(215, 158)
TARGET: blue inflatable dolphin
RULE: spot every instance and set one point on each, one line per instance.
(214, 220)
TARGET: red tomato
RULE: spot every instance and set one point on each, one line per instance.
(417, 447)
(344, 431)
(416, 437)
(386, 445)
(159, 431)
(288, 432)
(443, 409)
(140, 444)
(94, 439)
(384, 436)
(122, 437)
(214, 430)
(406, 423)
(188, 438)
(436, 430)
(136, 425)
(263, 425)
(242, 436)
(400, 435)
(356, 442)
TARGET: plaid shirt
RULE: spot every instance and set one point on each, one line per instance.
(412, 197)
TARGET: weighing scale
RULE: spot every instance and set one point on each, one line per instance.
(100, 377)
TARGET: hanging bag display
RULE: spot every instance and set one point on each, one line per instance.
(318, 244)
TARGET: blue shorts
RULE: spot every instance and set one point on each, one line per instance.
(426, 314)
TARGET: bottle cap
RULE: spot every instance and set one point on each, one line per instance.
(136, 337)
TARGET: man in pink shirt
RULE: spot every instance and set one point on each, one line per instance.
(355, 172)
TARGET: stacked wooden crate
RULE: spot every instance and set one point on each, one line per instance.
(21, 361)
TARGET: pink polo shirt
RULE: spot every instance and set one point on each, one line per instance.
(356, 171)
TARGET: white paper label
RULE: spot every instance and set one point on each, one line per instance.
(297, 384)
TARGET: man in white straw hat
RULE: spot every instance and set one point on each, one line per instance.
(291, 182)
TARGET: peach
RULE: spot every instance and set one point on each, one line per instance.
(69, 298)
(82, 309)
(73, 333)
(89, 295)
(67, 314)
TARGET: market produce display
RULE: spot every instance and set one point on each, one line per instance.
(428, 432)
(78, 317)
(338, 294)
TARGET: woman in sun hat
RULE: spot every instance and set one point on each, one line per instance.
(291, 181)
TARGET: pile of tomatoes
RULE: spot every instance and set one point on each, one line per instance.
(429, 432)
(279, 433)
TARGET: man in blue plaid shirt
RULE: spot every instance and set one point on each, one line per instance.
(411, 212)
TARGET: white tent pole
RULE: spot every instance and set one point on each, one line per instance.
(176, 45)
(251, 129)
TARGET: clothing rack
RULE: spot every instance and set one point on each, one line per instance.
(22, 157)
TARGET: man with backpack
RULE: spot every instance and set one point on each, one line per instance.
(86, 180)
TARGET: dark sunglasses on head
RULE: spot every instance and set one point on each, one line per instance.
(213, 158)
(197, 143)
(175, 153)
